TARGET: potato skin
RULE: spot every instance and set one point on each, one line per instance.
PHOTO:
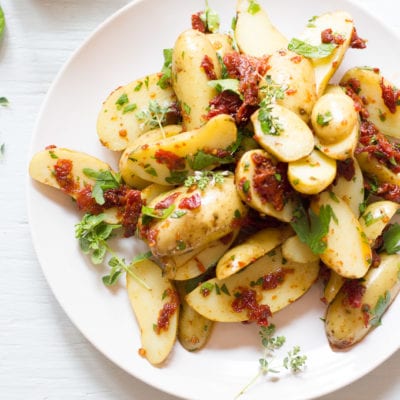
(218, 209)
(189, 79)
(346, 325)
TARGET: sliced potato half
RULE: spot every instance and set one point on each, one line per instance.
(214, 298)
(370, 86)
(345, 323)
(254, 32)
(250, 250)
(118, 122)
(149, 305)
(313, 173)
(246, 172)
(290, 141)
(348, 252)
(341, 23)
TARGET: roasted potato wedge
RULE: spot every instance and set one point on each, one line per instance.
(371, 86)
(348, 252)
(166, 161)
(194, 330)
(246, 171)
(340, 23)
(254, 32)
(119, 122)
(351, 188)
(251, 249)
(294, 74)
(148, 305)
(190, 80)
(215, 299)
(210, 213)
(313, 173)
(291, 139)
(347, 323)
(293, 249)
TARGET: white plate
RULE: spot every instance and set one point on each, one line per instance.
(127, 46)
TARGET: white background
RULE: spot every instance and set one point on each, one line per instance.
(42, 355)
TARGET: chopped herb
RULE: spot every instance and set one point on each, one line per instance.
(202, 179)
(379, 309)
(225, 290)
(237, 214)
(53, 155)
(186, 109)
(166, 70)
(154, 116)
(123, 99)
(129, 108)
(138, 86)
(308, 50)
(270, 124)
(253, 8)
(230, 84)
(2, 150)
(159, 213)
(369, 218)
(312, 228)
(176, 177)
(311, 22)
(278, 177)
(391, 239)
(104, 180)
(146, 82)
(324, 119)
(333, 196)
(272, 91)
(210, 19)
(4, 101)
(151, 171)
(92, 233)
(246, 186)
(224, 69)
(202, 160)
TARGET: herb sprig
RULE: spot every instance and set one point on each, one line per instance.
(104, 180)
(294, 361)
(92, 233)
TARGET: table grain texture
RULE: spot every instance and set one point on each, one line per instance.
(42, 355)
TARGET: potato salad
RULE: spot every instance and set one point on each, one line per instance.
(252, 171)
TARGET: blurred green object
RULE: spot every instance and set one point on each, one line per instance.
(2, 22)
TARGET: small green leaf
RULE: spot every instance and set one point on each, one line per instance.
(324, 119)
(4, 101)
(253, 8)
(2, 22)
(229, 84)
(391, 239)
(129, 108)
(380, 308)
(123, 99)
(310, 51)
(166, 71)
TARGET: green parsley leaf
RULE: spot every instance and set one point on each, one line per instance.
(380, 308)
(310, 51)
(176, 177)
(129, 108)
(4, 101)
(311, 22)
(391, 239)
(2, 150)
(123, 99)
(312, 228)
(166, 70)
(229, 84)
(324, 119)
(104, 180)
(202, 160)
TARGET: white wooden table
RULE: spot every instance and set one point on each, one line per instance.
(42, 355)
